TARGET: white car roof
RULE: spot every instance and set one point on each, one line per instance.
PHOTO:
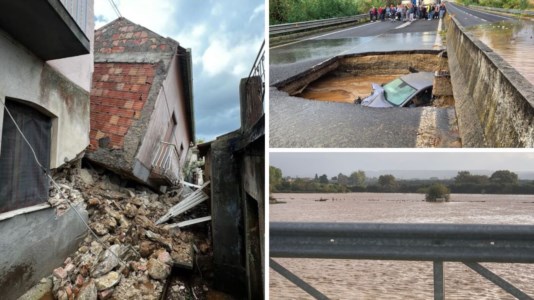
(420, 80)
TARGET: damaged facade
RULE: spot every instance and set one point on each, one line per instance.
(141, 104)
(45, 81)
(235, 165)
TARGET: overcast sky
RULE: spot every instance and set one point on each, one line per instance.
(224, 36)
(308, 164)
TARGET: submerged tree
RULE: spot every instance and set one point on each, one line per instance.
(437, 193)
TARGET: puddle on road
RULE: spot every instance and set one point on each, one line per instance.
(343, 87)
(513, 41)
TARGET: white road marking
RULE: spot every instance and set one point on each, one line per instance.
(438, 43)
(316, 37)
(403, 25)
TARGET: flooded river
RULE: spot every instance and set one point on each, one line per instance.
(365, 279)
(513, 41)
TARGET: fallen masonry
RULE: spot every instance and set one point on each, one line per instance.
(128, 256)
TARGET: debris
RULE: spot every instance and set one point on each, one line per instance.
(60, 273)
(157, 269)
(189, 202)
(88, 291)
(107, 281)
(130, 256)
(109, 261)
(86, 177)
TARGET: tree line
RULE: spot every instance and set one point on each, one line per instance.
(515, 4)
(499, 182)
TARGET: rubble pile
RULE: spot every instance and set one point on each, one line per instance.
(139, 256)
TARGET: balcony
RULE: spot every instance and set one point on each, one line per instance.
(165, 164)
(45, 27)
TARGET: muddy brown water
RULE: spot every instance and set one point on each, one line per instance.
(513, 41)
(373, 279)
(344, 87)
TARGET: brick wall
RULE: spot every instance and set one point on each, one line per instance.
(118, 95)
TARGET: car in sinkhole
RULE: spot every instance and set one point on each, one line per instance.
(410, 90)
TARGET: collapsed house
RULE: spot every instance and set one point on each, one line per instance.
(45, 82)
(142, 120)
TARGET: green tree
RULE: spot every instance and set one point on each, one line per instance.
(275, 178)
(342, 179)
(465, 177)
(323, 179)
(438, 192)
(357, 178)
(504, 177)
(387, 182)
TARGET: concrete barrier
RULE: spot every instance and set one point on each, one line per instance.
(494, 103)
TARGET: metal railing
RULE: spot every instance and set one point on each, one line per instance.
(468, 244)
(503, 10)
(258, 72)
(166, 161)
(302, 26)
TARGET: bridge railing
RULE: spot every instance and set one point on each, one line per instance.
(504, 10)
(468, 244)
(302, 26)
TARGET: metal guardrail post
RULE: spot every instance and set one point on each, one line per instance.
(296, 280)
(439, 282)
(505, 285)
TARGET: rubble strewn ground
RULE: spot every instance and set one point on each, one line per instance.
(140, 255)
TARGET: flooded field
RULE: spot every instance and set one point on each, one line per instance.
(513, 41)
(365, 279)
(344, 87)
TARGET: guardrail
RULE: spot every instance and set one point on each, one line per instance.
(302, 26)
(469, 244)
(504, 10)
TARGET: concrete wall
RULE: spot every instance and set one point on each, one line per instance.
(79, 69)
(33, 244)
(25, 77)
(253, 182)
(494, 103)
(227, 217)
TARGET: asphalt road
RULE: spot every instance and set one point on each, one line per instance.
(470, 17)
(291, 59)
(297, 122)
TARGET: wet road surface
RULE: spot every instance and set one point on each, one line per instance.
(297, 122)
(470, 17)
(291, 59)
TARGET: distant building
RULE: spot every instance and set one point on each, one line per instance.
(45, 79)
(142, 119)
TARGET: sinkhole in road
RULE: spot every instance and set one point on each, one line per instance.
(349, 77)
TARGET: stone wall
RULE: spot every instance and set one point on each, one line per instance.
(494, 103)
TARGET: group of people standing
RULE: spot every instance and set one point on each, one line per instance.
(407, 12)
